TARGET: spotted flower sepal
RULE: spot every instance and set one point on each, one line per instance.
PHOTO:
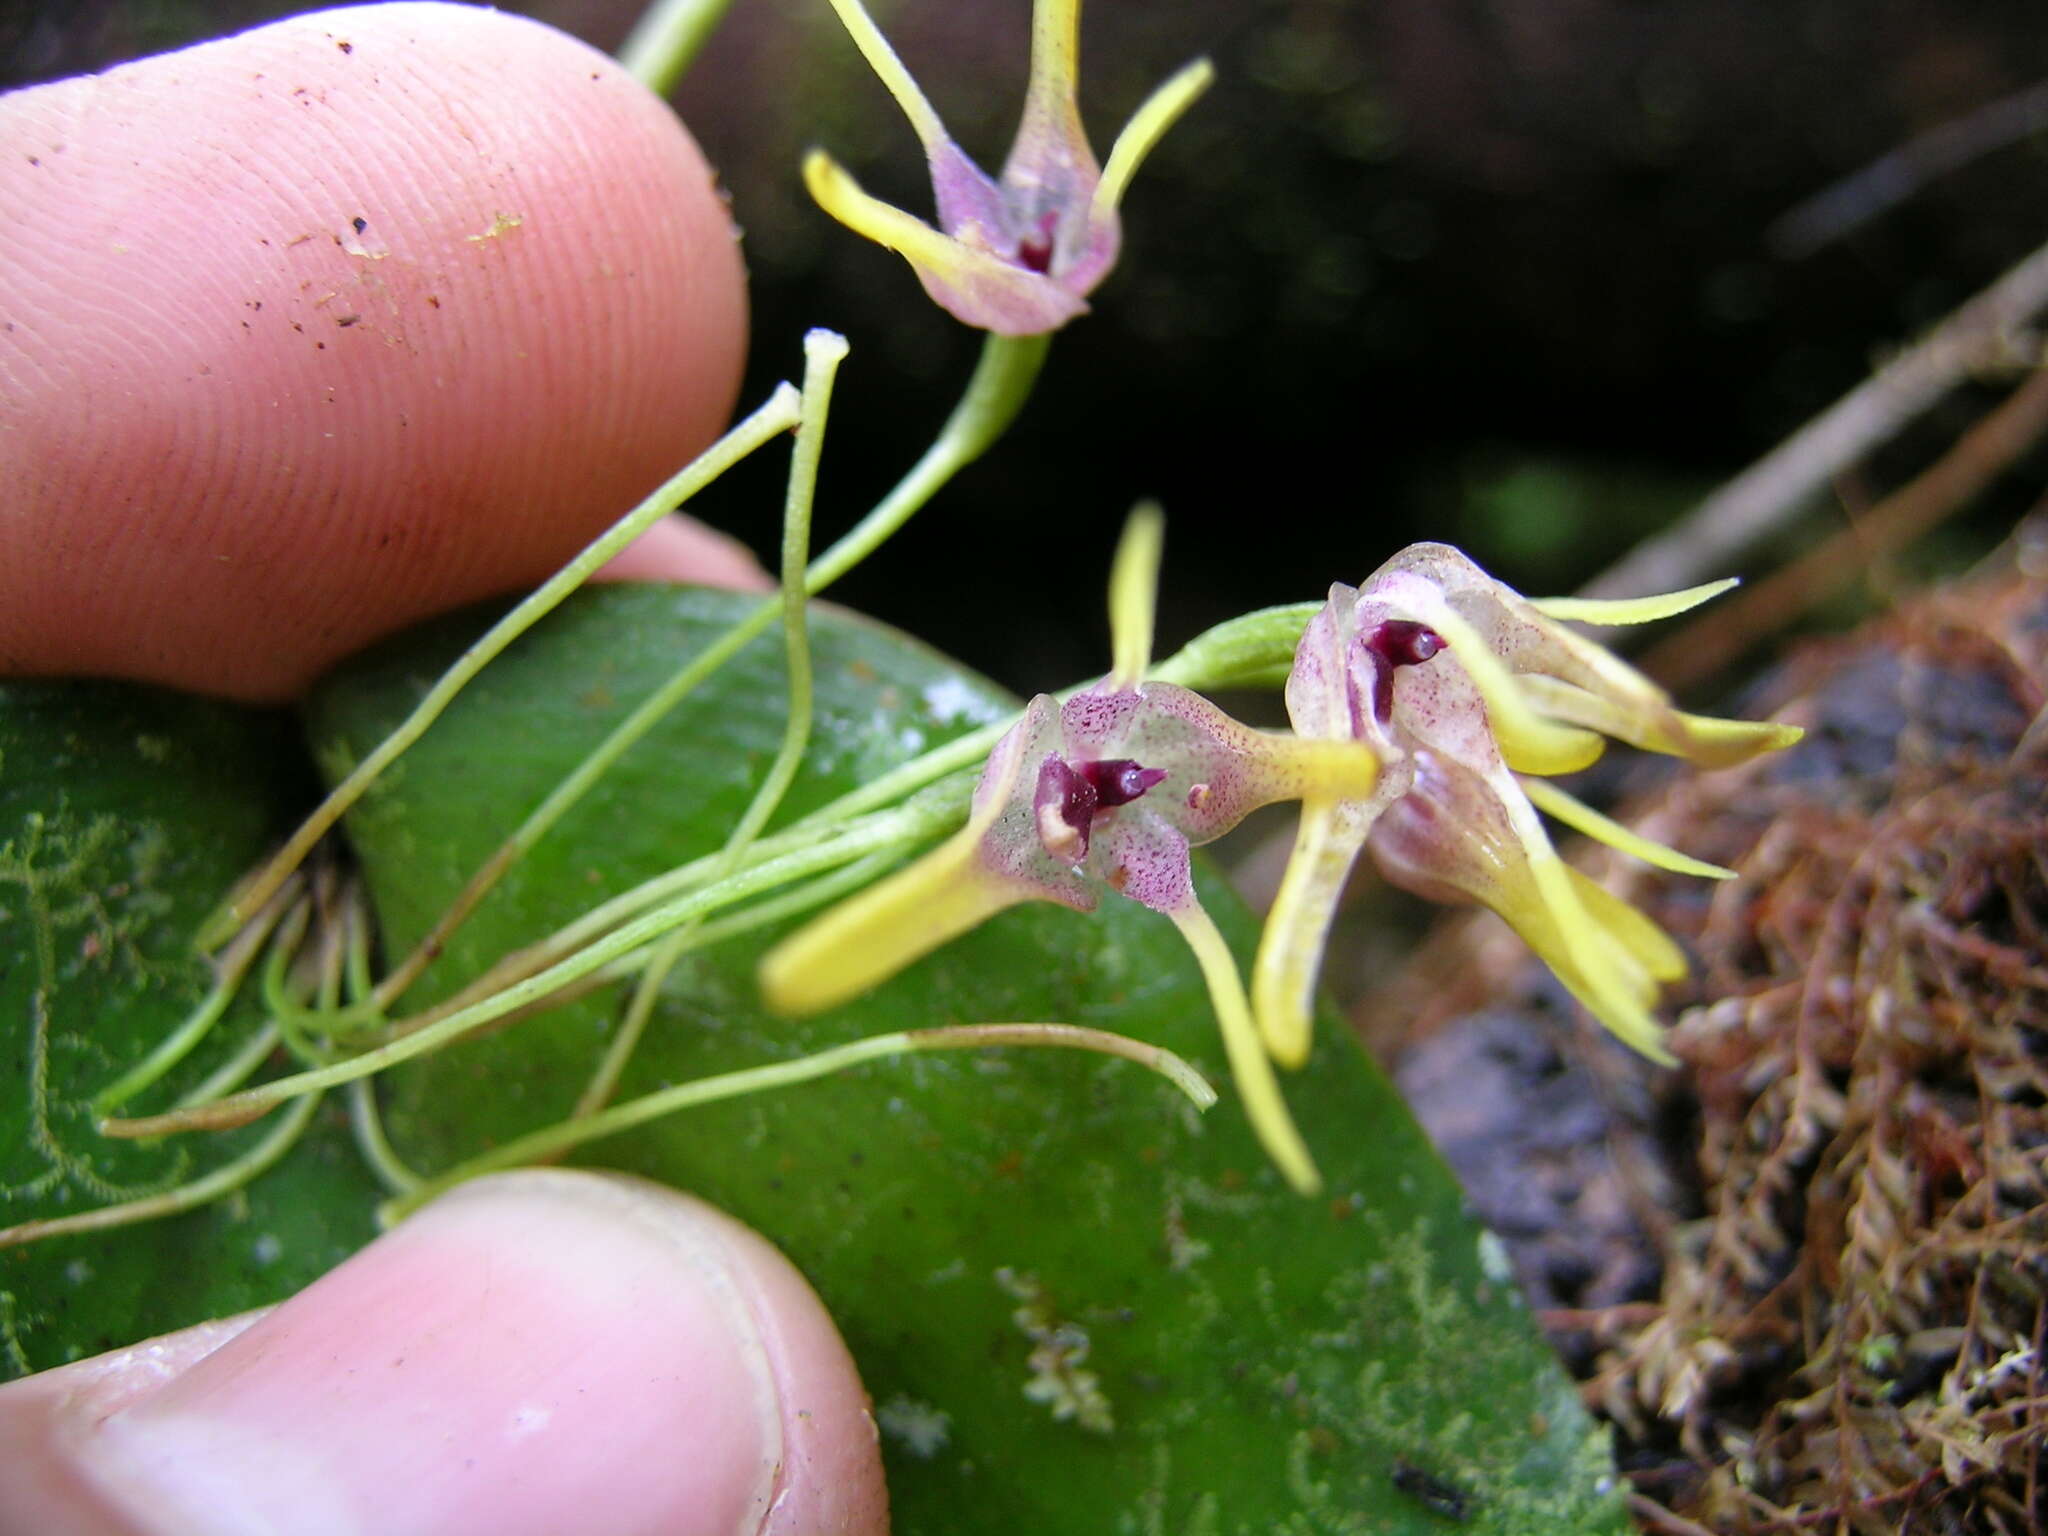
(1468, 693)
(1552, 693)
(1109, 788)
(1017, 254)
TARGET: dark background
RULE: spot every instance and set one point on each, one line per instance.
(1496, 271)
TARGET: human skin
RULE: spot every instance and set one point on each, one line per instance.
(543, 1351)
(240, 437)
(198, 492)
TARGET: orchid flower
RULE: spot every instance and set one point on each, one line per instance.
(1111, 787)
(1017, 255)
(1469, 695)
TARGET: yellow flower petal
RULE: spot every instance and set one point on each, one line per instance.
(1716, 743)
(1134, 595)
(1528, 742)
(1307, 768)
(1574, 705)
(1148, 125)
(1264, 1105)
(1654, 726)
(869, 937)
(883, 61)
(1630, 610)
(1630, 927)
(1298, 928)
(1602, 973)
(1581, 817)
(910, 237)
(972, 283)
(1598, 965)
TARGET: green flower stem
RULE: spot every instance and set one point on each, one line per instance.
(307, 1029)
(357, 969)
(803, 898)
(296, 1022)
(885, 837)
(661, 959)
(237, 1069)
(1231, 654)
(956, 756)
(371, 1141)
(995, 394)
(186, 1197)
(229, 969)
(1001, 383)
(823, 353)
(565, 795)
(667, 38)
(1240, 652)
(894, 831)
(777, 415)
(775, 873)
(556, 1139)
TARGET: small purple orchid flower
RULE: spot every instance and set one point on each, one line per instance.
(1018, 254)
(1470, 695)
(1109, 788)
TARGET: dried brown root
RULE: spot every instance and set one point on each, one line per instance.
(1848, 1329)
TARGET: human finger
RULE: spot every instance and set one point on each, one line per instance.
(312, 332)
(542, 1351)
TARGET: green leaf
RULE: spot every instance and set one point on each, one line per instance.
(1260, 1362)
(124, 814)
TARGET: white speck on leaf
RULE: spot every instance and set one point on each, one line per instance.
(918, 1427)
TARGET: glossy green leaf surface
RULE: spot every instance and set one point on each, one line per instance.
(124, 814)
(1079, 1305)
(1253, 1361)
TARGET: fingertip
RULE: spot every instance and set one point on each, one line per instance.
(831, 1477)
(318, 330)
(541, 1351)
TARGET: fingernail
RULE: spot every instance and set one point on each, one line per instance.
(544, 1351)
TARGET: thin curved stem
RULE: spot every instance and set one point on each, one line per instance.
(224, 1180)
(556, 1139)
(1234, 653)
(997, 391)
(667, 38)
(778, 414)
(375, 1146)
(1264, 1105)
(230, 968)
(256, 1102)
(823, 353)
(237, 1069)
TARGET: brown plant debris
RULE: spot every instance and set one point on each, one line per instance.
(1812, 1270)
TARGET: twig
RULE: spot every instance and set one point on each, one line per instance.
(1655, 1517)
(1845, 206)
(1625, 1314)
(1710, 539)
(1946, 487)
